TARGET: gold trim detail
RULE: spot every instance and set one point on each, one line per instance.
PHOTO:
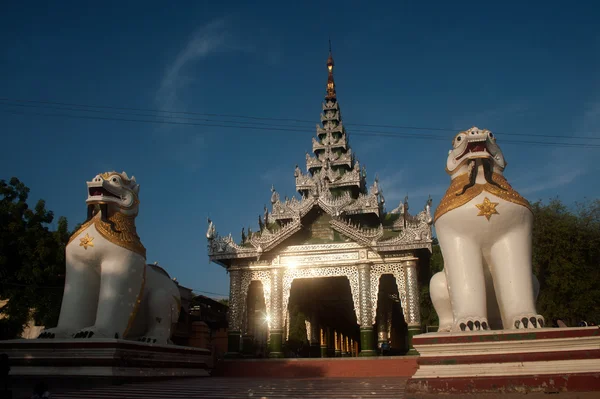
(452, 200)
(136, 306)
(86, 241)
(487, 208)
(125, 236)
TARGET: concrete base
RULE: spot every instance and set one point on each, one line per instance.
(104, 358)
(550, 360)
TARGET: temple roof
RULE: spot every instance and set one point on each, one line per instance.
(335, 185)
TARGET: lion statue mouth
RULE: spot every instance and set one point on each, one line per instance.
(475, 149)
(113, 188)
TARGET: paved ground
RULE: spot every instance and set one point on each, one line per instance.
(232, 388)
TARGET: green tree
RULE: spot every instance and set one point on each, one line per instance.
(436, 264)
(566, 260)
(224, 301)
(32, 260)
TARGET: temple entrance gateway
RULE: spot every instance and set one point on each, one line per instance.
(327, 307)
(339, 232)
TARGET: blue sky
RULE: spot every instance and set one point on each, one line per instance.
(525, 68)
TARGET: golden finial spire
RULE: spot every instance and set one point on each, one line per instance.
(330, 83)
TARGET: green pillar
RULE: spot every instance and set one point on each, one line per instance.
(275, 342)
(247, 345)
(330, 343)
(412, 331)
(367, 341)
(323, 350)
(233, 344)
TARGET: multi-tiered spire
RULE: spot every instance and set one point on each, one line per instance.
(333, 184)
(333, 166)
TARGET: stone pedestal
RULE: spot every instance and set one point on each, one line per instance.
(104, 358)
(549, 360)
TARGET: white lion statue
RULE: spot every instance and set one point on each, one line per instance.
(110, 291)
(484, 228)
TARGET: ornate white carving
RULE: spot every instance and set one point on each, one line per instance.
(277, 315)
(366, 318)
(412, 293)
(398, 271)
(236, 306)
(320, 247)
(355, 232)
(318, 259)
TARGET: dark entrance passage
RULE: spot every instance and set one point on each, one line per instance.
(391, 327)
(322, 320)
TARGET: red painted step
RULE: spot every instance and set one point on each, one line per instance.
(401, 366)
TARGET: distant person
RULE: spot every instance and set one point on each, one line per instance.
(41, 391)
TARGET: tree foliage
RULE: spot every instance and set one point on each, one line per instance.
(566, 260)
(436, 264)
(32, 260)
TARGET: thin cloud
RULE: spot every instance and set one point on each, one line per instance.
(551, 183)
(207, 40)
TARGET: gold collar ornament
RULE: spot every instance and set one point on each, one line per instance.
(124, 233)
(452, 200)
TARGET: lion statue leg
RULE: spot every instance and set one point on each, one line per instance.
(464, 269)
(515, 287)
(80, 298)
(440, 297)
(120, 288)
(162, 306)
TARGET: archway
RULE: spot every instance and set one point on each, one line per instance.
(256, 332)
(325, 308)
(391, 327)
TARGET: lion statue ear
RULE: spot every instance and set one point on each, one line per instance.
(136, 187)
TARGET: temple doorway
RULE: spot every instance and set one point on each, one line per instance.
(391, 327)
(255, 341)
(322, 319)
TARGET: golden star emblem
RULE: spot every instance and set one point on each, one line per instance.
(86, 241)
(487, 208)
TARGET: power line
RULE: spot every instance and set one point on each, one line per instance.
(272, 119)
(372, 134)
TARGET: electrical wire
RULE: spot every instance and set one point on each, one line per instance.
(90, 108)
(260, 128)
